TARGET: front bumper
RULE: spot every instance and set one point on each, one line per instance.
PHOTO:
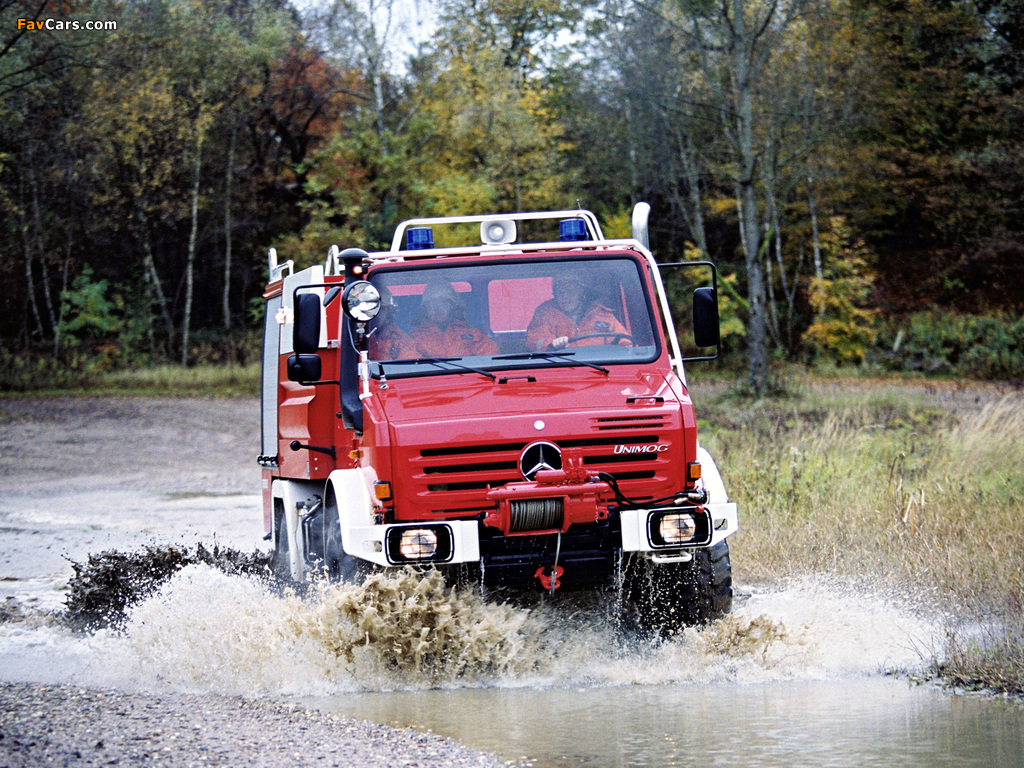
(587, 552)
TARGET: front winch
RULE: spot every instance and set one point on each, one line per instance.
(536, 514)
(554, 500)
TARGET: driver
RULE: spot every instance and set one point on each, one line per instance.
(442, 330)
(567, 315)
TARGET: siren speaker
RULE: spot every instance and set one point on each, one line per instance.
(499, 232)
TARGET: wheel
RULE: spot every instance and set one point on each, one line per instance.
(281, 563)
(609, 335)
(671, 596)
(339, 565)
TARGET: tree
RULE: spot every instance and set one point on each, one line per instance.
(39, 93)
(735, 43)
(199, 71)
(843, 328)
(497, 141)
(934, 173)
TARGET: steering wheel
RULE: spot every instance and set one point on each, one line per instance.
(606, 335)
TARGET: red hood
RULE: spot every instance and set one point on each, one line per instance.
(442, 399)
(454, 437)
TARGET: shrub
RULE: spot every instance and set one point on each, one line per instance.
(843, 325)
(971, 346)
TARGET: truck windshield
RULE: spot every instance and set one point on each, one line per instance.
(512, 314)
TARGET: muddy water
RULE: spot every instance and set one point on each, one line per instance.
(853, 722)
(796, 676)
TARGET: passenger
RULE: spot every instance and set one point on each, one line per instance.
(568, 315)
(387, 340)
(443, 330)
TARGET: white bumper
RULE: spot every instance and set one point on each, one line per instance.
(369, 542)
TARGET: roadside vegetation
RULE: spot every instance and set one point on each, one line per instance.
(44, 378)
(908, 488)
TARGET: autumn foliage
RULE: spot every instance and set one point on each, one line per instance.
(852, 166)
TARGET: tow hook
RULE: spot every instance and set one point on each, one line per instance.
(550, 581)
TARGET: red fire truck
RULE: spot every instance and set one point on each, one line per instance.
(515, 409)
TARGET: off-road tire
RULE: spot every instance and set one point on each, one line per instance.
(338, 564)
(667, 597)
(281, 561)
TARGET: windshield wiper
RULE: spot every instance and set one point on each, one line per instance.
(554, 356)
(438, 361)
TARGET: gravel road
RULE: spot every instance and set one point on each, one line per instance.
(81, 475)
(70, 726)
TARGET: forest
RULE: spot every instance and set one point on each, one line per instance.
(854, 167)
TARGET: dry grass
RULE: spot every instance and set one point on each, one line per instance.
(164, 380)
(913, 487)
(196, 380)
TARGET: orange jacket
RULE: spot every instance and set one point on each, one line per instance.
(389, 342)
(549, 322)
(454, 340)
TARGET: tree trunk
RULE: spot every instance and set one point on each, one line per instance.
(152, 277)
(30, 287)
(191, 260)
(227, 227)
(757, 331)
(692, 213)
(634, 183)
(57, 338)
(812, 204)
(37, 225)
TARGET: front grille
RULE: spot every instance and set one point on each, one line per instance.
(536, 514)
(444, 480)
(605, 423)
(447, 479)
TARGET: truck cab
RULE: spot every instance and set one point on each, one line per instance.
(514, 407)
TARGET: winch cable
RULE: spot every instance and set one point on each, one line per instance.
(554, 567)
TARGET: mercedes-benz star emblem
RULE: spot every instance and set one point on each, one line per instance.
(538, 456)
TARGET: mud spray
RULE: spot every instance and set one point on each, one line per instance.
(231, 629)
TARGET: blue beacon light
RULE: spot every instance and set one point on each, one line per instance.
(572, 230)
(419, 238)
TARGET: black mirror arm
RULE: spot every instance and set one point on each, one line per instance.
(295, 445)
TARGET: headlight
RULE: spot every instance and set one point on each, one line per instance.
(361, 301)
(690, 527)
(419, 545)
(676, 530)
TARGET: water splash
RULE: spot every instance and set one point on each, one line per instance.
(204, 629)
(409, 630)
(406, 629)
(105, 586)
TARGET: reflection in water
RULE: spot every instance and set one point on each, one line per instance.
(852, 722)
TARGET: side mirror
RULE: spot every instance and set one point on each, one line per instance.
(304, 368)
(706, 332)
(306, 338)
